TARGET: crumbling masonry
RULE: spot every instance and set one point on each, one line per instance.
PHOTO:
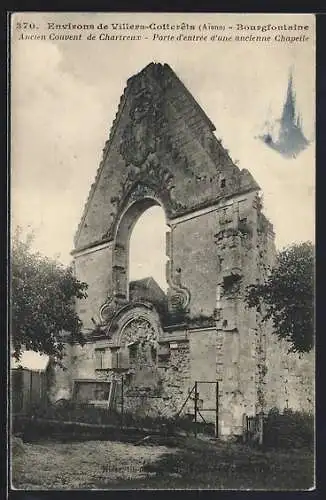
(162, 151)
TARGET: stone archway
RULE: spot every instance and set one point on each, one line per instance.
(121, 242)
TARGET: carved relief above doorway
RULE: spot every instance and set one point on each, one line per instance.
(138, 329)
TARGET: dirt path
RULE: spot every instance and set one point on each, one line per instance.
(81, 465)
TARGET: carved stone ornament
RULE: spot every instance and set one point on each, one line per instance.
(151, 173)
(178, 295)
(152, 181)
(141, 146)
(140, 192)
(108, 310)
(138, 329)
(139, 136)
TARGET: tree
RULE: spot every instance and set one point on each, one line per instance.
(43, 294)
(287, 296)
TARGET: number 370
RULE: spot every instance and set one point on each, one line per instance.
(26, 26)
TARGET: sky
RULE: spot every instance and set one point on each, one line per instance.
(65, 95)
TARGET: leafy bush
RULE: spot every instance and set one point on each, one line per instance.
(76, 412)
(287, 296)
(43, 294)
(71, 411)
(292, 429)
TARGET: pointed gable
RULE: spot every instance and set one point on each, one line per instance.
(161, 145)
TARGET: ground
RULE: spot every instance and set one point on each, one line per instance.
(194, 464)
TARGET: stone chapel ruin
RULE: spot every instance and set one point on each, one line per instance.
(162, 151)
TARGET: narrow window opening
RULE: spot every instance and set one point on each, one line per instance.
(99, 358)
(153, 353)
(133, 348)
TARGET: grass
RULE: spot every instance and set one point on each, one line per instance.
(79, 465)
(45, 419)
(194, 464)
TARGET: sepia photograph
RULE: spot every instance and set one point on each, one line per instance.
(162, 251)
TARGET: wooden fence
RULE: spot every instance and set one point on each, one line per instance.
(28, 389)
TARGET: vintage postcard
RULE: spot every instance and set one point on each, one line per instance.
(162, 254)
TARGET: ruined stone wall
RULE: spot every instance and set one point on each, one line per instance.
(194, 253)
(220, 253)
(163, 139)
(204, 356)
(167, 390)
(94, 268)
(159, 389)
(254, 370)
(83, 364)
(290, 379)
(162, 150)
(156, 365)
(274, 381)
(236, 250)
(61, 378)
(284, 379)
(236, 372)
(79, 363)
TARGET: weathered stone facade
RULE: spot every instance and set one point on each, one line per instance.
(162, 151)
